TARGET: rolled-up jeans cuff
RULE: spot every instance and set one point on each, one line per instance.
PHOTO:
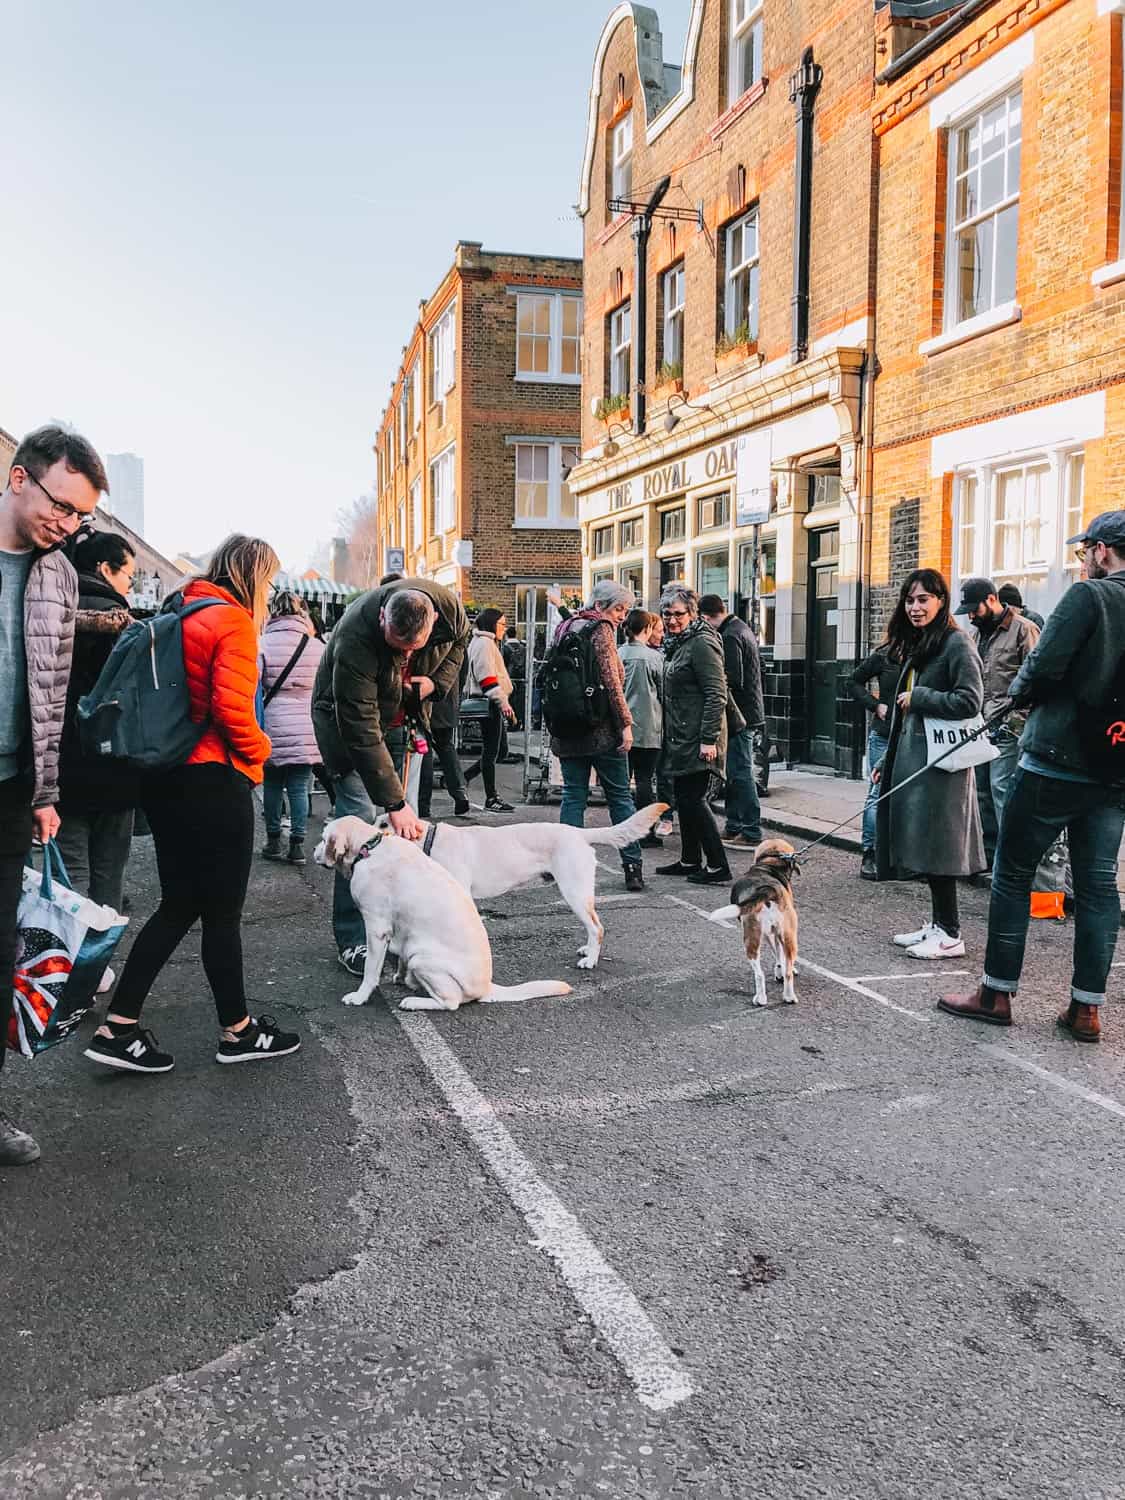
(1085, 997)
(1005, 986)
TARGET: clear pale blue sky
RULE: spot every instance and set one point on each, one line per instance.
(220, 218)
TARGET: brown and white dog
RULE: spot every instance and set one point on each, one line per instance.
(762, 904)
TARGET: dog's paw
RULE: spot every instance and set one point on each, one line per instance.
(790, 999)
(355, 998)
(779, 971)
(587, 960)
(421, 1002)
(758, 1000)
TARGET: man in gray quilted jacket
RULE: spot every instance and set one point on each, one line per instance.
(53, 483)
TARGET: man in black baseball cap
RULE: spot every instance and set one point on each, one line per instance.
(974, 593)
(1075, 673)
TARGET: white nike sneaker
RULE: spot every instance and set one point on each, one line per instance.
(938, 944)
(910, 939)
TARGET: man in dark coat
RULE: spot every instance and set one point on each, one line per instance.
(1074, 670)
(743, 663)
(396, 648)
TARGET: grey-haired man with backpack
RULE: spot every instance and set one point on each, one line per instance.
(1070, 774)
(53, 483)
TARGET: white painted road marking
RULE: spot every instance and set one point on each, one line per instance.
(920, 974)
(660, 1380)
(1010, 1058)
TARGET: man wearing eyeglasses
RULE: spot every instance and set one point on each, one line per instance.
(1070, 679)
(53, 484)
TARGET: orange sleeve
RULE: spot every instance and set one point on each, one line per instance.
(234, 684)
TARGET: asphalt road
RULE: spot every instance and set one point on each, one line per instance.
(645, 1240)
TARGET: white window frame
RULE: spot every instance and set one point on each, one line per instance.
(745, 33)
(403, 422)
(994, 305)
(443, 355)
(673, 296)
(416, 394)
(417, 518)
(621, 350)
(748, 266)
(1041, 581)
(554, 372)
(621, 157)
(562, 454)
(401, 529)
(443, 492)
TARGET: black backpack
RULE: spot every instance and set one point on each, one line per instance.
(1101, 731)
(571, 689)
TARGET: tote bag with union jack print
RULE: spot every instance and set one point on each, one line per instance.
(64, 944)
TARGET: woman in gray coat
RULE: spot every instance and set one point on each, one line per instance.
(695, 732)
(932, 827)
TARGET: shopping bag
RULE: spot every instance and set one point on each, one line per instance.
(974, 748)
(64, 943)
(1048, 886)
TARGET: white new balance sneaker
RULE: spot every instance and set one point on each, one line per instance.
(909, 939)
(938, 944)
(105, 983)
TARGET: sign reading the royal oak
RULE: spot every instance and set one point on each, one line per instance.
(712, 465)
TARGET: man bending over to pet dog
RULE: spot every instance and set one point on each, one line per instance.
(396, 648)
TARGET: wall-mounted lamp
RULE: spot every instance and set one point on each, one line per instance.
(672, 417)
(610, 448)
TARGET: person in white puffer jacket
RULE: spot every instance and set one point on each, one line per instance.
(488, 678)
(288, 715)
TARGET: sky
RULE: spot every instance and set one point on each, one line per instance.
(219, 220)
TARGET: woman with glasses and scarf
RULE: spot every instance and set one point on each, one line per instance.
(696, 706)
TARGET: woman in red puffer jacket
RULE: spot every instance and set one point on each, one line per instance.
(202, 820)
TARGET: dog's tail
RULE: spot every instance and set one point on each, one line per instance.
(620, 834)
(535, 989)
(725, 916)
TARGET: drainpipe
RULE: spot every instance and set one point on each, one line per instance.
(803, 88)
(642, 227)
(930, 41)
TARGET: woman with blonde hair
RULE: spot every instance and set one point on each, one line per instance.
(202, 819)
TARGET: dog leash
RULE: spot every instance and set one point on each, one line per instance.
(1002, 713)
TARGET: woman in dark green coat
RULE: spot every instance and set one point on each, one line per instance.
(696, 710)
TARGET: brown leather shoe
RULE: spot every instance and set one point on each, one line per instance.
(993, 1007)
(1082, 1021)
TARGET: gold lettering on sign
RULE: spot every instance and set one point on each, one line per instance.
(619, 495)
(666, 481)
(720, 461)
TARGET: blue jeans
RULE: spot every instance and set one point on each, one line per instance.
(613, 773)
(294, 782)
(1001, 771)
(744, 811)
(1038, 808)
(876, 749)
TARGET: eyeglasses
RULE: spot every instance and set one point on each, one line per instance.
(61, 509)
(676, 614)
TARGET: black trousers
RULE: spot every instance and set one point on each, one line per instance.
(943, 904)
(15, 841)
(202, 820)
(642, 763)
(698, 829)
(491, 734)
(442, 744)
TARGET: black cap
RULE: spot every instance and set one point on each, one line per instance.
(1007, 593)
(974, 591)
(1109, 528)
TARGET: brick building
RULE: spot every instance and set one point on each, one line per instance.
(482, 429)
(733, 379)
(1000, 400)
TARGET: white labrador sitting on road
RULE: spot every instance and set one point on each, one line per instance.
(492, 861)
(412, 906)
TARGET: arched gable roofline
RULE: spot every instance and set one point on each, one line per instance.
(661, 108)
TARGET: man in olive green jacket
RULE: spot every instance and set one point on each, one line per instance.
(396, 649)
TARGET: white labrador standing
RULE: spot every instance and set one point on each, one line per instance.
(492, 861)
(413, 906)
